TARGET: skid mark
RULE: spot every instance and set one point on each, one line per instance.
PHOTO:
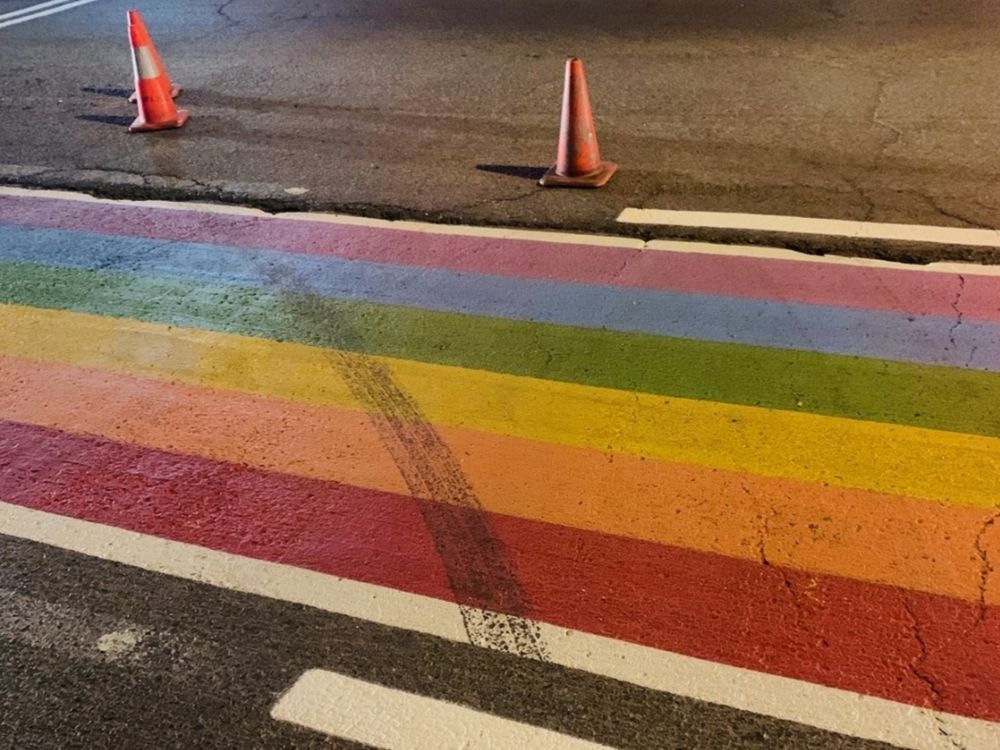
(479, 570)
(480, 573)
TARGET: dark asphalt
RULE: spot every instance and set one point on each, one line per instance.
(209, 664)
(448, 110)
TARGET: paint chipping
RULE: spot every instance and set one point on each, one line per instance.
(118, 642)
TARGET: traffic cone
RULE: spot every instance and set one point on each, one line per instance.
(578, 160)
(156, 105)
(175, 90)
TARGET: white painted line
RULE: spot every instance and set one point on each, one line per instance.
(42, 13)
(30, 8)
(823, 227)
(680, 246)
(390, 719)
(778, 253)
(792, 700)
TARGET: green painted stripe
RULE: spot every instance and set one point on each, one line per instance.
(874, 390)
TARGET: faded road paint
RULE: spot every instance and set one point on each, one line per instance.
(663, 451)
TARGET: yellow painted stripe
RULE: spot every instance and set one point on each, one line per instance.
(929, 464)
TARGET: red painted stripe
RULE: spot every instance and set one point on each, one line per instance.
(912, 292)
(838, 632)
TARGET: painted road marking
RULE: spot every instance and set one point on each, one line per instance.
(706, 248)
(866, 230)
(76, 231)
(745, 319)
(327, 218)
(550, 560)
(774, 443)
(583, 581)
(777, 253)
(43, 9)
(392, 719)
(835, 710)
(691, 507)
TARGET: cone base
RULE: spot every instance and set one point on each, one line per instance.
(175, 91)
(592, 180)
(141, 126)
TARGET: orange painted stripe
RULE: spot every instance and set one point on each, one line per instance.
(851, 533)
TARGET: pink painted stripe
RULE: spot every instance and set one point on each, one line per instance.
(902, 291)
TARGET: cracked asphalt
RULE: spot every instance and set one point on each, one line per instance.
(448, 111)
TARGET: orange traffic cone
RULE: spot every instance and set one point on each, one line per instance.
(156, 106)
(578, 160)
(134, 19)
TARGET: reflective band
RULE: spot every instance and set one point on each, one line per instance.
(145, 64)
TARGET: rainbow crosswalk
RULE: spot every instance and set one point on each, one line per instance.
(781, 465)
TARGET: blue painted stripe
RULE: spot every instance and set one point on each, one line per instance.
(881, 335)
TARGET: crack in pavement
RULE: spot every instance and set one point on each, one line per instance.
(786, 579)
(915, 667)
(493, 201)
(986, 568)
(221, 10)
(856, 187)
(933, 203)
(959, 315)
(877, 119)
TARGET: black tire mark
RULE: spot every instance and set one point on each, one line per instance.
(480, 572)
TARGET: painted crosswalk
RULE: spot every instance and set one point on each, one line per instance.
(758, 482)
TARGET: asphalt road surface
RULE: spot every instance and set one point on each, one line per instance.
(448, 109)
(207, 665)
(291, 480)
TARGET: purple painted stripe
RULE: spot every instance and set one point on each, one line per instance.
(972, 344)
(896, 290)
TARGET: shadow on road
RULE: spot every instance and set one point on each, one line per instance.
(108, 119)
(106, 91)
(528, 173)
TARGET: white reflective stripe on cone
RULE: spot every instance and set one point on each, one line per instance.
(145, 65)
